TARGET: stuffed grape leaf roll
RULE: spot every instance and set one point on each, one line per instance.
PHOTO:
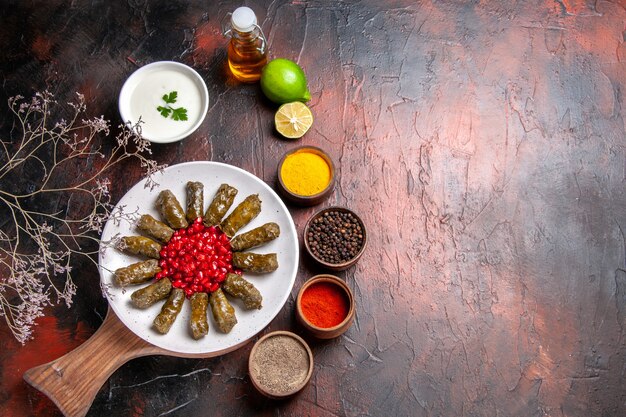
(239, 287)
(223, 312)
(255, 237)
(139, 245)
(163, 322)
(254, 262)
(243, 214)
(158, 230)
(171, 210)
(198, 322)
(157, 291)
(219, 206)
(137, 273)
(195, 200)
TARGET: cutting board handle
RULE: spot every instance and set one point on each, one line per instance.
(73, 380)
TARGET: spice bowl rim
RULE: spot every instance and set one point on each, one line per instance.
(306, 200)
(273, 394)
(326, 332)
(342, 265)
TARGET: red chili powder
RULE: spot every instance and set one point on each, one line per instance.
(324, 304)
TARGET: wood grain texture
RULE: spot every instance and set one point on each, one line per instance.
(73, 380)
(483, 145)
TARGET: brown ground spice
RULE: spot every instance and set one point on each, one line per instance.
(280, 364)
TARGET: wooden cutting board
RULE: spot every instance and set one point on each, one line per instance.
(73, 380)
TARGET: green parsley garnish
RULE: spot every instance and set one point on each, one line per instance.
(179, 113)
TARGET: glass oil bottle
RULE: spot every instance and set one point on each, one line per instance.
(247, 49)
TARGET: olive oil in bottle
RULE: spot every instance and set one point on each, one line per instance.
(247, 49)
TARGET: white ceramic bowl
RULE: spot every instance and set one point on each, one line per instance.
(275, 287)
(142, 94)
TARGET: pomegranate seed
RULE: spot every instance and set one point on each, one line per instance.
(196, 258)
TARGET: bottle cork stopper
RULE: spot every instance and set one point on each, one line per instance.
(243, 19)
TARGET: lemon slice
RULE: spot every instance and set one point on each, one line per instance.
(293, 120)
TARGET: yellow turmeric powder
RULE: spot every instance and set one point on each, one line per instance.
(305, 173)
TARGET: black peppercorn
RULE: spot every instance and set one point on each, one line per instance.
(339, 236)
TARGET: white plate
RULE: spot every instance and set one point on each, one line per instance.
(143, 92)
(275, 287)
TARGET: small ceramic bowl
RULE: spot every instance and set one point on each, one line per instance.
(158, 94)
(326, 332)
(280, 364)
(329, 265)
(306, 200)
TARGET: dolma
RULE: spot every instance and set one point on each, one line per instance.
(243, 214)
(255, 237)
(199, 324)
(171, 210)
(195, 200)
(137, 273)
(254, 262)
(139, 245)
(158, 230)
(170, 311)
(239, 287)
(223, 312)
(145, 297)
(219, 206)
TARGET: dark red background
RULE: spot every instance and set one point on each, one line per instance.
(481, 141)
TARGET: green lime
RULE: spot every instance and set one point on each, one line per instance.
(283, 81)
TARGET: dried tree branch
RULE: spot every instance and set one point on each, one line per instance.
(38, 246)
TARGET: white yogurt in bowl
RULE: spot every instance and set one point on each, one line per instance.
(142, 97)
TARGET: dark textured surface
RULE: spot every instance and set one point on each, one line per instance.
(481, 142)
